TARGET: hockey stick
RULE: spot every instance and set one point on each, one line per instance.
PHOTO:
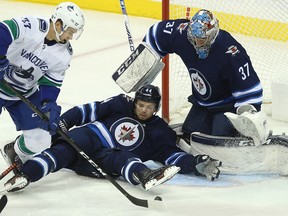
(3, 202)
(127, 26)
(8, 170)
(134, 200)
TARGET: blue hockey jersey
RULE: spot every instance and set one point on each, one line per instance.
(114, 123)
(225, 78)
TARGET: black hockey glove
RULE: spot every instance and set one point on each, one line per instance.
(207, 167)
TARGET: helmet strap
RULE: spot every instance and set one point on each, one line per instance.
(56, 33)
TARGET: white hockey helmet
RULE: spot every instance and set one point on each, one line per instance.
(71, 16)
(202, 31)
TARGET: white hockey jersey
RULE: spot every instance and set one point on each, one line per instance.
(33, 62)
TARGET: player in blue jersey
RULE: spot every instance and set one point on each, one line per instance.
(222, 75)
(119, 134)
(34, 54)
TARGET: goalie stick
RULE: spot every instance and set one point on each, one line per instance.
(3, 202)
(127, 26)
(134, 200)
(141, 67)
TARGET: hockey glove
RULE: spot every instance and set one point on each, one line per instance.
(63, 125)
(207, 167)
(52, 110)
(64, 128)
(4, 63)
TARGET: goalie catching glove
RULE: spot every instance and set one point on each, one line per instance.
(207, 167)
(250, 123)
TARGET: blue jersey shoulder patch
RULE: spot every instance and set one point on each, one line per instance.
(69, 48)
(43, 25)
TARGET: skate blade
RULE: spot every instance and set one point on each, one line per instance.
(20, 183)
(168, 174)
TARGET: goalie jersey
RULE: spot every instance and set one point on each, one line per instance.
(33, 60)
(226, 78)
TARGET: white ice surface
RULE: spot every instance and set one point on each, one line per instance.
(98, 53)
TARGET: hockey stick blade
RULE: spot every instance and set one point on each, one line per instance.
(134, 200)
(155, 204)
(3, 202)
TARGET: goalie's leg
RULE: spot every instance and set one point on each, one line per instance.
(200, 119)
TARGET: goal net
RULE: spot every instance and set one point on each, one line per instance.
(260, 26)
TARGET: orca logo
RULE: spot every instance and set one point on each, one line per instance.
(70, 7)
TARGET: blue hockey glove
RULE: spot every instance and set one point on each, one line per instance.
(52, 110)
(207, 167)
(4, 63)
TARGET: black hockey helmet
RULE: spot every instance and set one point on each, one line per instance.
(149, 93)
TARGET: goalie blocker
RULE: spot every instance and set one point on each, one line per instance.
(140, 68)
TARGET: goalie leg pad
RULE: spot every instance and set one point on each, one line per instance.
(239, 155)
(140, 68)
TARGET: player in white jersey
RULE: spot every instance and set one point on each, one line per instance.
(34, 54)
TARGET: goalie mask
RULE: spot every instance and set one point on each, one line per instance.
(149, 93)
(202, 32)
(71, 16)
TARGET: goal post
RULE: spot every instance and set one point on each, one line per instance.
(260, 26)
(165, 71)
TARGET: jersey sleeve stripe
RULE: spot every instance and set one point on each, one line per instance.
(13, 28)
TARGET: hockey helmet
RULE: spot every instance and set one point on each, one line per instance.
(202, 31)
(71, 16)
(149, 93)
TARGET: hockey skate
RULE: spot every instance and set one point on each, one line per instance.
(150, 178)
(11, 157)
(16, 183)
(19, 180)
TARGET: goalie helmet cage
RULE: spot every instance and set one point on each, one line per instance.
(260, 26)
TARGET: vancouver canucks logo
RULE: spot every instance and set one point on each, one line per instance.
(70, 7)
(127, 133)
(15, 73)
(200, 84)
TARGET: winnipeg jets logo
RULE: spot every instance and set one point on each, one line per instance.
(233, 50)
(200, 84)
(127, 133)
